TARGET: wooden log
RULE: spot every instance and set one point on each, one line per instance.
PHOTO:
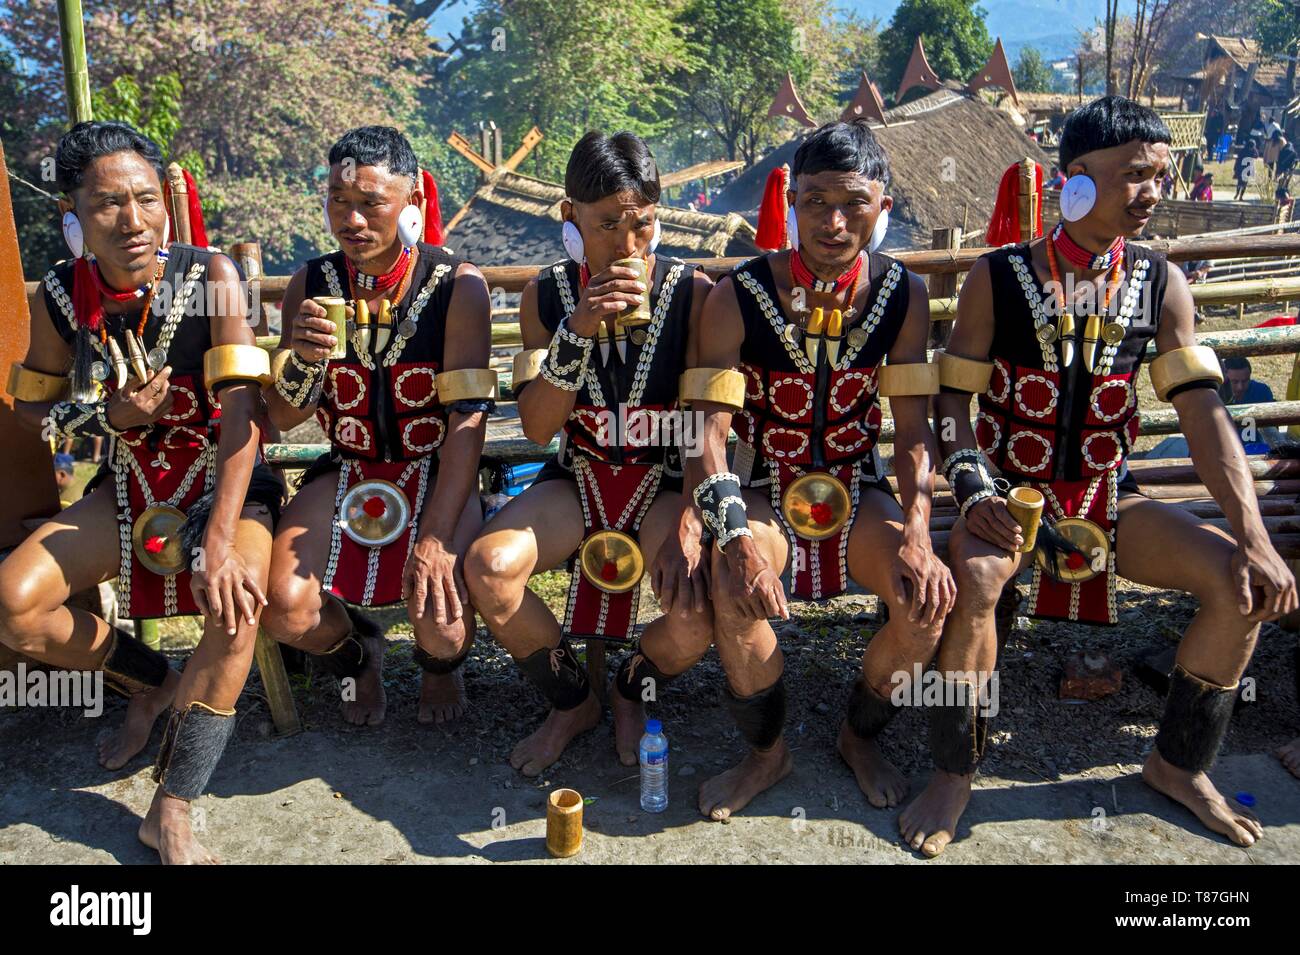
(1287, 545)
(279, 695)
(596, 672)
(1182, 491)
(1282, 340)
(1181, 470)
(513, 447)
(943, 286)
(1201, 507)
(1177, 471)
(1165, 420)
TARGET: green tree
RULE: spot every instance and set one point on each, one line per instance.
(1277, 23)
(956, 41)
(566, 66)
(1031, 73)
(266, 86)
(743, 48)
(23, 129)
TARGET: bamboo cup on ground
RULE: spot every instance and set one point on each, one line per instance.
(564, 823)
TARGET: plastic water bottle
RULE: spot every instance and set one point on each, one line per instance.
(654, 768)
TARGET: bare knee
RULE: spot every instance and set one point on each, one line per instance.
(919, 640)
(685, 642)
(23, 604)
(979, 581)
(292, 611)
(496, 573)
(235, 646)
(445, 641)
(1216, 587)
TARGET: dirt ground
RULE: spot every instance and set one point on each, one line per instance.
(1059, 782)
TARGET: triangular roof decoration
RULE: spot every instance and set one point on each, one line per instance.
(996, 72)
(918, 73)
(866, 104)
(788, 104)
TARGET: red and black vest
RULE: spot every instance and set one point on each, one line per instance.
(806, 415)
(384, 406)
(644, 380)
(178, 325)
(1040, 420)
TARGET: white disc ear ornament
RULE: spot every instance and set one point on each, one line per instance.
(410, 226)
(572, 240)
(73, 236)
(1078, 196)
(878, 232)
(654, 239)
(792, 228)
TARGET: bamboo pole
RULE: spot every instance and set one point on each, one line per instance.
(1245, 341)
(513, 278)
(76, 74)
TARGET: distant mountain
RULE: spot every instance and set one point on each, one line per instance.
(1050, 25)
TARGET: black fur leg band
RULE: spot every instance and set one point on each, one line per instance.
(191, 748)
(761, 717)
(131, 667)
(347, 658)
(559, 674)
(869, 712)
(1195, 721)
(630, 681)
(958, 730)
(439, 665)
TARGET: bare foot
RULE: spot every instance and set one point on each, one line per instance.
(116, 747)
(1197, 793)
(442, 697)
(733, 790)
(930, 822)
(629, 724)
(1290, 756)
(543, 748)
(168, 830)
(371, 701)
(883, 785)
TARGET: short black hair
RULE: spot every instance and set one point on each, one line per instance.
(88, 141)
(1237, 363)
(1108, 122)
(377, 146)
(601, 166)
(842, 147)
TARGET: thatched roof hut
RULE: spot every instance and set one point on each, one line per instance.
(947, 151)
(513, 219)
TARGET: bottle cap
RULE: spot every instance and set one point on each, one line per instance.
(654, 727)
(1246, 799)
